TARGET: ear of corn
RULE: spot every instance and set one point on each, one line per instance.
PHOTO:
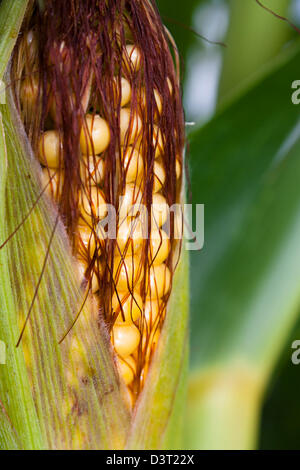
(104, 94)
(92, 403)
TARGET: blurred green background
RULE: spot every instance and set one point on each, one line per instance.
(238, 96)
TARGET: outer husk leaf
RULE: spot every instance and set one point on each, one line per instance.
(8, 437)
(14, 385)
(19, 427)
(73, 413)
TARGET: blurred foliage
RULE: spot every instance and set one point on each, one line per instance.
(281, 411)
(177, 16)
(254, 38)
(227, 176)
(245, 282)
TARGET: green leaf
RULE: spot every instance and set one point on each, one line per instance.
(246, 280)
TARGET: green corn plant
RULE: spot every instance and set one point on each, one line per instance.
(62, 386)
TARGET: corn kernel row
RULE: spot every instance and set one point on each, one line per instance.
(136, 317)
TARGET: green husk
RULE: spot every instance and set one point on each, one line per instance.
(103, 422)
(46, 418)
(8, 437)
(15, 390)
(18, 414)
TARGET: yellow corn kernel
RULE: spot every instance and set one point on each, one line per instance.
(130, 126)
(94, 136)
(127, 369)
(132, 307)
(178, 169)
(132, 58)
(160, 210)
(102, 235)
(178, 225)
(131, 201)
(86, 241)
(125, 91)
(133, 164)
(92, 170)
(92, 205)
(160, 246)
(129, 237)
(159, 176)
(50, 149)
(158, 101)
(158, 143)
(159, 282)
(126, 339)
(127, 272)
(82, 267)
(170, 86)
(151, 312)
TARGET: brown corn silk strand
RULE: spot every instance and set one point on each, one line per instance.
(77, 59)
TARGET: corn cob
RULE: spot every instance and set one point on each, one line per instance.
(101, 106)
